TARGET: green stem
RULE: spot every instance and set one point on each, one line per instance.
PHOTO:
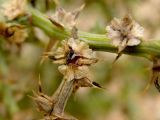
(96, 41)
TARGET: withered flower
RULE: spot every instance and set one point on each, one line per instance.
(65, 19)
(124, 32)
(74, 57)
(14, 8)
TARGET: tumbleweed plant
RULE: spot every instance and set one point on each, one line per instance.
(41, 38)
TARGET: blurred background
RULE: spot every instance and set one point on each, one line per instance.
(124, 81)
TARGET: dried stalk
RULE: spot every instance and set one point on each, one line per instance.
(61, 96)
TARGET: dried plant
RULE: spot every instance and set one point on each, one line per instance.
(53, 106)
(124, 32)
(76, 51)
(74, 57)
(65, 19)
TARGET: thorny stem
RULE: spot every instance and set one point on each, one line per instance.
(97, 42)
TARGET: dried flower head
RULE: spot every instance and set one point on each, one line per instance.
(74, 56)
(65, 19)
(14, 8)
(124, 32)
